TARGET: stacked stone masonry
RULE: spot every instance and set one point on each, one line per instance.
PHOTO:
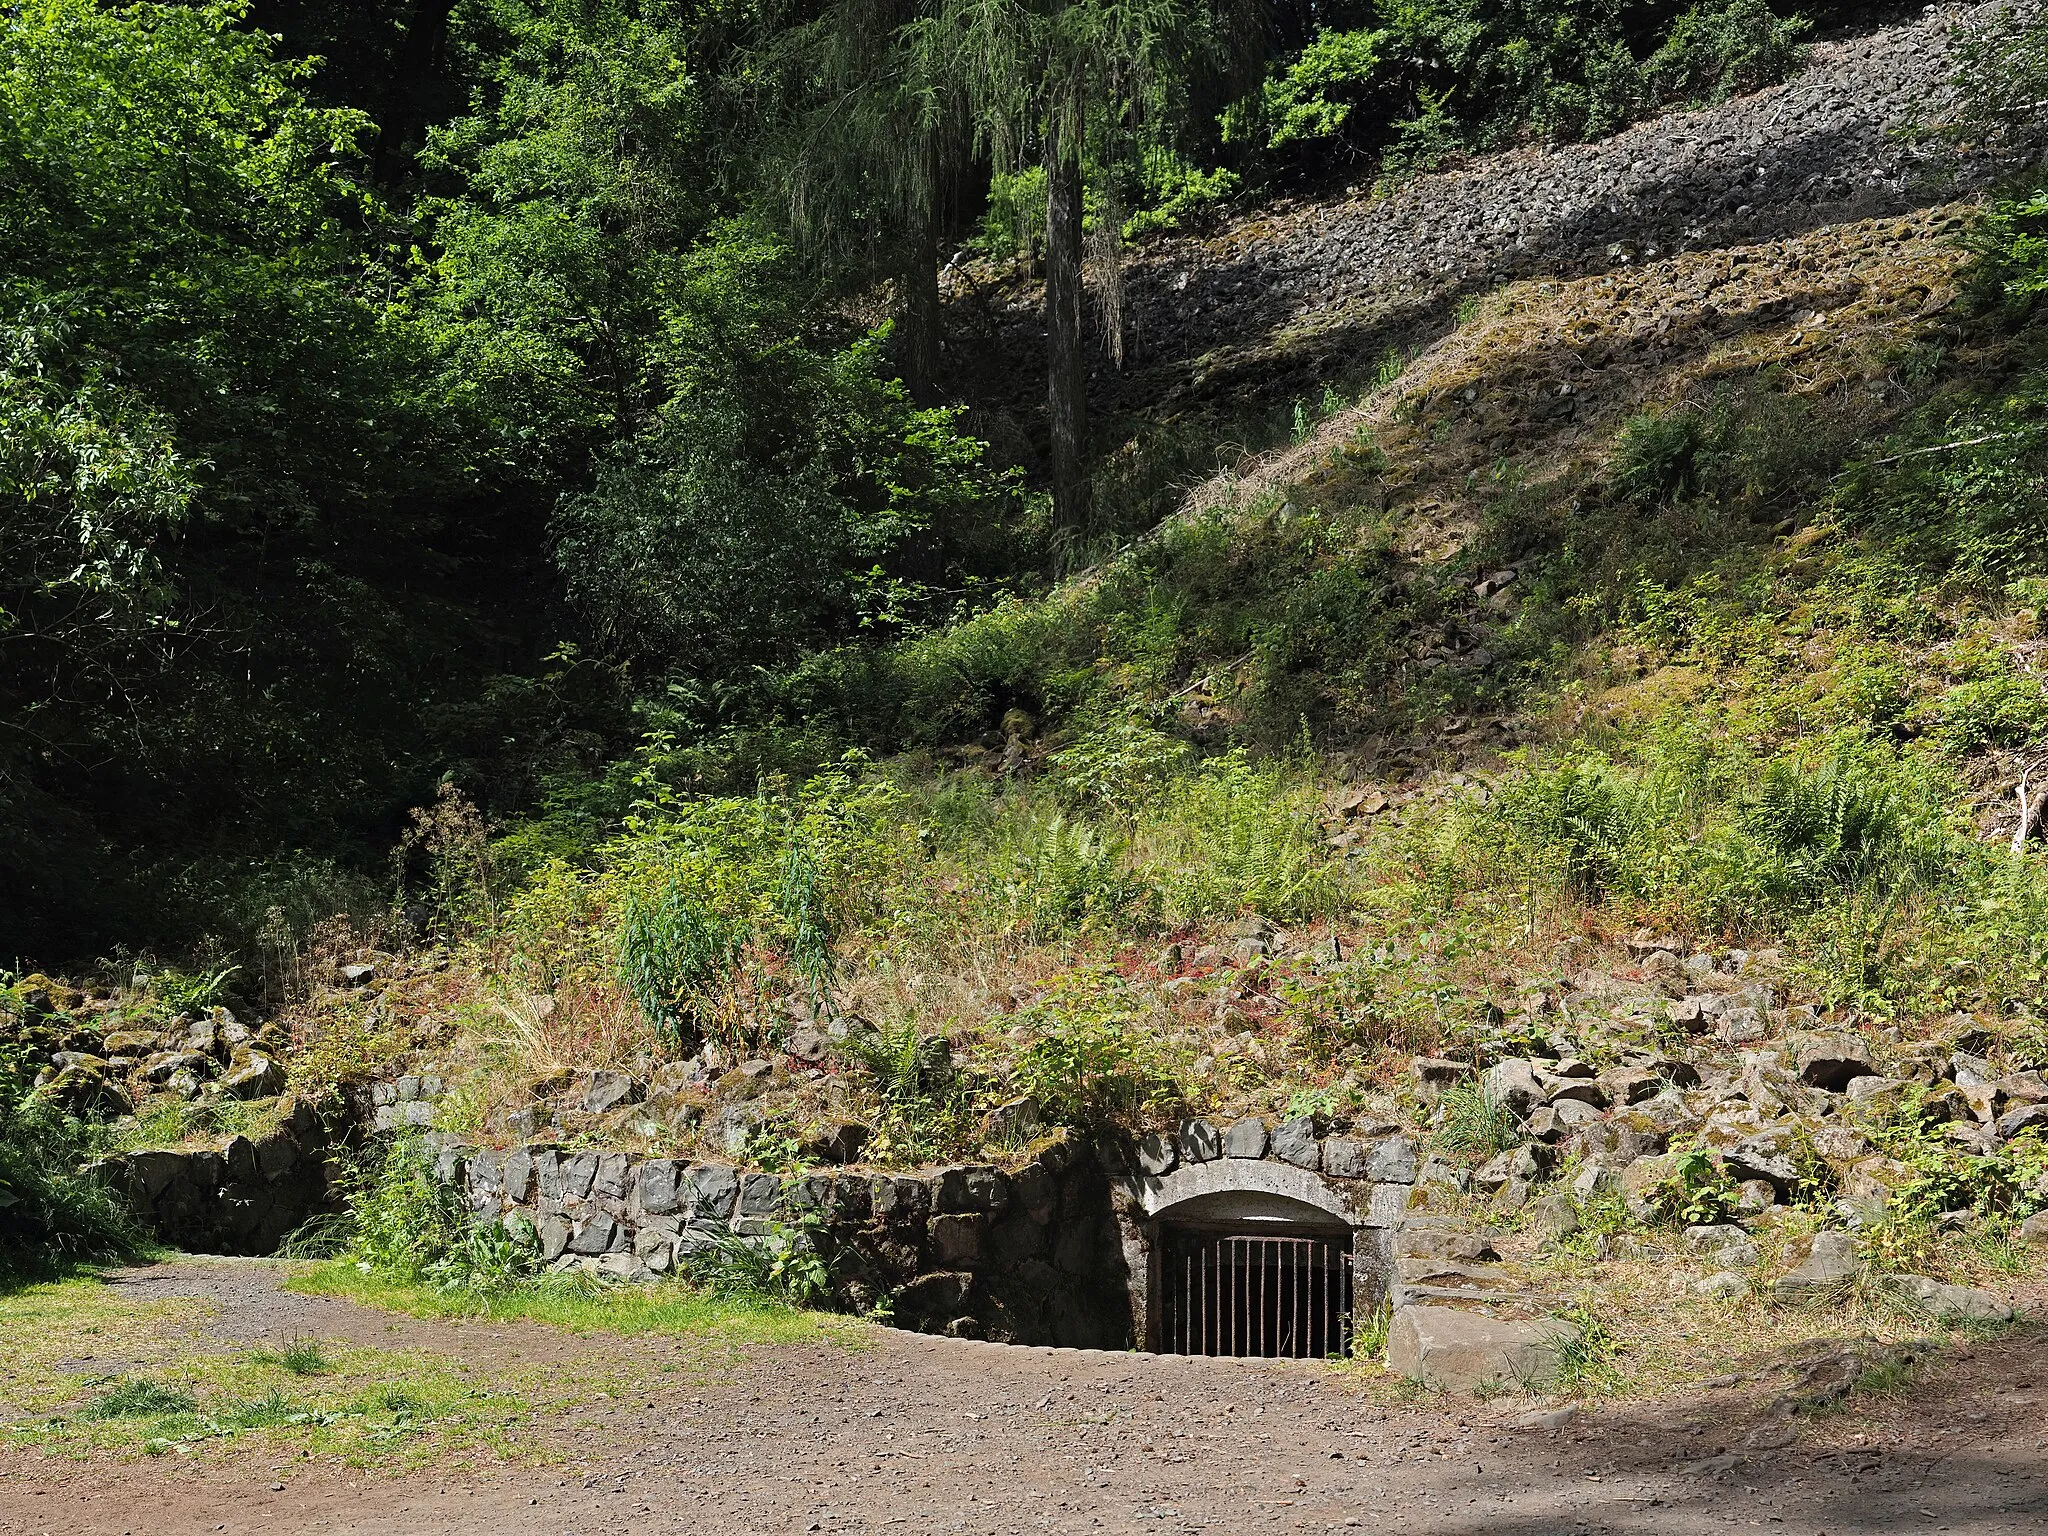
(1054, 1252)
(241, 1196)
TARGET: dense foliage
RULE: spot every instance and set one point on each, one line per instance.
(395, 393)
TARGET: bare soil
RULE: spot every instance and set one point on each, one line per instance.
(924, 1434)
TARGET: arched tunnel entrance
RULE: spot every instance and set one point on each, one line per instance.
(1254, 1275)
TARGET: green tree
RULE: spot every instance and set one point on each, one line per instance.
(1039, 75)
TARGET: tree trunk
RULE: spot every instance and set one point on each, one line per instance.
(1066, 366)
(921, 324)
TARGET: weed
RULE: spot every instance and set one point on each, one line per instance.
(1474, 1122)
(780, 1267)
(265, 1412)
(139, 1398)
(1697, 1193)
(1583, 1354)
(302, 1357)
(1369, 1333)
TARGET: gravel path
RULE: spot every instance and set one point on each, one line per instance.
(1294, 294)
(916, 1434)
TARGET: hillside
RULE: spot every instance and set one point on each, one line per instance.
(1600, 754)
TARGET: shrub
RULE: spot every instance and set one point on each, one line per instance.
(1091, 1059)
(1718, 50)
(50, 1213)
(405, 1223)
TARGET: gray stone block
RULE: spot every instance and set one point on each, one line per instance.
(597, 1234)
(1156, 1154)
(613, 1169)
(515, 1177)
(956, 1238)
(1246, 1138)
(1392, 1161)
(899, 1199)
(1294, 1141)
(1035, 1190)
(1457, 1350)
(711, 1190)
(1346, 1158)
(974, 1187)
(760, 1194)
(577, 1174)
(487, 1170)
(1198, 1141)
(554, 1238)
(656, 1186)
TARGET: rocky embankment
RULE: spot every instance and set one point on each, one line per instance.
(1293, 295)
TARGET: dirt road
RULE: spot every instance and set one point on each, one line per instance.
(914, 1434)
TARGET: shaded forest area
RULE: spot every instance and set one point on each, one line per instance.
(414, 391)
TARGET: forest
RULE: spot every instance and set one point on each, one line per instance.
(530, 395)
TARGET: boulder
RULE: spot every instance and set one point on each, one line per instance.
(1433, 1074)
(1725, 1244)
(607, 1090)
(1514, 1083)
(1452, 1349)
(1823, 1266)
(1951, 1303)
(1831, 1061)
(254, 1076)
(2024, 1117)
(2034, 1230)
(837, 1141)
(807, 1045)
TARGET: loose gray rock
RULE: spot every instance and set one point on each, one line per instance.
(1831, 1061)
(1952, 1303)
(1726, 1245)
(1822, 1266)
(1515, 1084)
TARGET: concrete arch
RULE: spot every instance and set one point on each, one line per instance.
(1255, 1180)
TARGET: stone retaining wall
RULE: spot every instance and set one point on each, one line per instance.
(239, 1196)
(1057, 1251)
(1029, 1256)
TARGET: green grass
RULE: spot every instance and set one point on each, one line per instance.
(185, 1391)
(671, 1308)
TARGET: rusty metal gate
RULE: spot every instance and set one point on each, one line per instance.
(1237, 1293)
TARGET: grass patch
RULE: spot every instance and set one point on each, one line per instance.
(184, 1391)
(301, 1357)
(672, 1308)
